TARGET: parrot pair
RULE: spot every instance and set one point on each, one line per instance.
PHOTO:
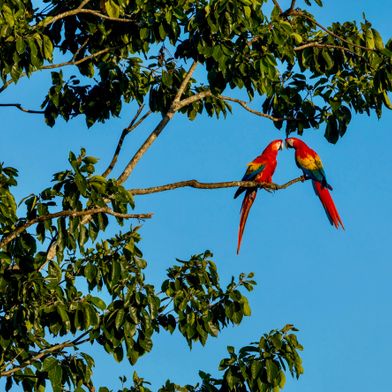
(262, 168)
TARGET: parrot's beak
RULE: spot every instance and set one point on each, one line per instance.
(281, 146)
(287, 144)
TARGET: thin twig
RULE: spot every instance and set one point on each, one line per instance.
(261, 114)
(83, 3)
(20, 107)
(133, 125)
(50, 20)
(277, 6)
(92, 211)
(83, 45)
(319, 45)
(215, 185)
(7, 83)
(77, 62)
(59, 65)
(303, 14)
(159, 128)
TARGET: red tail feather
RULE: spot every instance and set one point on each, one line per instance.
(328, 204)
(249, 198)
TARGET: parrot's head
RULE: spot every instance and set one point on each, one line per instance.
(275, 145)
(293, 142)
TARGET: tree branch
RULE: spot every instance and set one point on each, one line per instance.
(159, 128)
(77, 62)
(277, 6)
(50, 20)
(20, 107)
(320, 45)
(193, 98)
(215, 185)
(73, 214)
(133, 125)
(59, 65)
(261, 114)
(303, 14)
(83, 3)
(185, 82)
(52, 349)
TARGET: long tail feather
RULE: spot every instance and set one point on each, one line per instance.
(328, 204)
(249, 198)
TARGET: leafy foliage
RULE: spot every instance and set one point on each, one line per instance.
(42, 298)
(309, 75)
(257, 367)
(62, 282)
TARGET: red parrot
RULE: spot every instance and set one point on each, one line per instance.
(261, 169)
(310, 163)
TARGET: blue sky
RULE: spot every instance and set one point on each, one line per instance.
(333, 285)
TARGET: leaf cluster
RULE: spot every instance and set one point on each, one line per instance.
(51, 303)
(308, 75)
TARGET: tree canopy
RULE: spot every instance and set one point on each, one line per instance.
(188, 57)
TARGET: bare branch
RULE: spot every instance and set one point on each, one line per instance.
(277, 6)
(92, 211)
(261, 114)
(7, 83)
(20, 107)
(185, 82)
(144, 147)
(133, 125)
(303, 14)
(158, 129)
(215, 185)
(193, 98)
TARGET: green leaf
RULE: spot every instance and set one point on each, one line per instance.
(119, 318)
(55, 376)
(369, 39)
(62, 311)
(377, 40)
(112, 9)
(387, 101)
(20, 45)
(331, 130)
(48, 47)
(297, 37)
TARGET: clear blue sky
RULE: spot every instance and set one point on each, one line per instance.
(335, 286)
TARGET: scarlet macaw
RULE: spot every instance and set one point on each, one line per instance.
(261, 169)
(310, 163)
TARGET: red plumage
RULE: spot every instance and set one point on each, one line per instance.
(312, 167)
(249, 198)
(260, 170)
(329, 206)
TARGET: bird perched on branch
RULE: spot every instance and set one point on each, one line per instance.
(310, 163)
(260, 170)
